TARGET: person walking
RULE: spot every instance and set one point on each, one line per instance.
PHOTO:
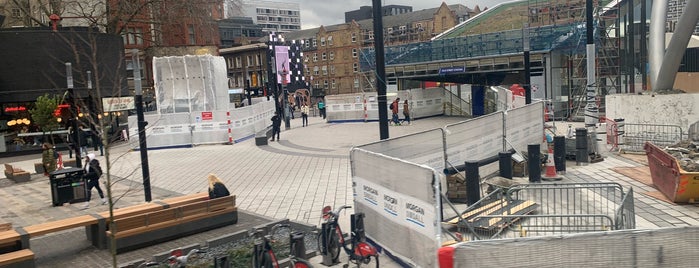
(321, 107)
(93, 172)
(216, 187)
(406, 112)
(304, 115)
(394, 111)
(276, 125)
(48, 158)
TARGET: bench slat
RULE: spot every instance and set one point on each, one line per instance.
(186, 199)
(132, 210)
(60, 225)
(9, 237)
(144, 229)
(15, 257)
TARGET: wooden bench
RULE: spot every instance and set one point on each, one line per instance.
(158, 226)
(17, 259)
(5, 226)
(10, 240)
(16, 174)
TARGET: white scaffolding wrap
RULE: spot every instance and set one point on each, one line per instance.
(190, 84)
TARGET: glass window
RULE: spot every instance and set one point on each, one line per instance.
(355, 67)
(330, 40)
(322, 41)
(324, 56)
(333, 84)
(325, 70)
(354, 37)
(356, 83)
(354, 53)
(192, 35)
(332, 55)
(315, 57)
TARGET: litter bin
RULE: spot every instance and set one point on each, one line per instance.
(68, 186)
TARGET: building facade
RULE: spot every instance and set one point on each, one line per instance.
(674, 11)
(278, 17)
(332, 53)
(238, 31)
(365, 12)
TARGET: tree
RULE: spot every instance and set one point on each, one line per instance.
(43, 113)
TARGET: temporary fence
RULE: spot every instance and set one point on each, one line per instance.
(399, 182)
(613, 129)
(208, 127)
(657, 248)
(633, 136)
(548, 209)
(365, 106)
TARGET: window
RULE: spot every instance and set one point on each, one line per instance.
(355, 67)
(322, 41)
(333, 84)
(238, 64)
(192, 35)
(324, 56)
(307, 44)
(354, 38)
(389, 30)
(317, 84)
(315, 43)
(249, 61)
(371, 35)
(16, 13)
(133, 36)
(325, 70)
(315, 57)
(332, 69)
(315, 70)
(444, 22)
(402, 29)
(332, 55)
(258, 60)
(354, 53)
(330, 40)
(356, 83)
(325, 84)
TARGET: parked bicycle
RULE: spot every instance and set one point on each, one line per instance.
(174, 261)
(331, 239)
(263, 255)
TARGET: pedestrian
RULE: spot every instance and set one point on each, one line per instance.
(394, 111)
(93, 172)
(216, 187)
(304, 114)
(406, 112)
(48, 158)
(276, 125)
(83, 142)
(321, 108)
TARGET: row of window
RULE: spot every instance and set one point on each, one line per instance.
(278, 12)
(331, 55)
(323, 70)
(237, 62)
(279, 19)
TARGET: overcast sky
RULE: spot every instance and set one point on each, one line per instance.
(329, 12)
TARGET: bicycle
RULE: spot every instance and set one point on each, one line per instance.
(263, 255)
(331, 239)
(174, 261)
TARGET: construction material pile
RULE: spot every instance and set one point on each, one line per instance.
(686, 153)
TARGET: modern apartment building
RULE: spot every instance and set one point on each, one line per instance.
(278, 17)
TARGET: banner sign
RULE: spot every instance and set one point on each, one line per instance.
(118, 104)
(401, 209)
(449, 70)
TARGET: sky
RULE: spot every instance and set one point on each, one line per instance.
(329, 12)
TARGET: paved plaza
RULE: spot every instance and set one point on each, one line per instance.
(288, 179)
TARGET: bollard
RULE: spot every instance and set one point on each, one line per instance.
(357, 226)
(505, 159)
(473, 185)
(534, 164)
(298, 247)
(581, 150)
(222, 262)
(559, 154)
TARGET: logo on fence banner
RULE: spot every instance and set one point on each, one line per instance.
(390, 204)
(371, 195)
(415, 214)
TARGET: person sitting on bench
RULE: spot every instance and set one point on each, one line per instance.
(217, 188)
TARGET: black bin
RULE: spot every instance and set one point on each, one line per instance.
(68, 186)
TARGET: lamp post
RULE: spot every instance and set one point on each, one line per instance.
(138, 101)
(272, 79)
(75, 137)
(287, 111)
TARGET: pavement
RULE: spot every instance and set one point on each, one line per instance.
(292, 178)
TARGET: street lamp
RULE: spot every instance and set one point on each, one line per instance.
(287, 112)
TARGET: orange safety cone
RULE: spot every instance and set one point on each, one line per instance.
(59, 162)
(550, 168)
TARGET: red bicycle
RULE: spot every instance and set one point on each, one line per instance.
(331, 239)
(263, 255)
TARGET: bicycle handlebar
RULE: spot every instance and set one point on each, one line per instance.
(337, 212)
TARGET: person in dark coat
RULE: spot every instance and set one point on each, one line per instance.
(276, 125)
(217, 188)
(93, 172)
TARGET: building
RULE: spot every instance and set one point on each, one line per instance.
(278, 17)
(365, 12)
(238, 31)
(332, 53)
(674, 10)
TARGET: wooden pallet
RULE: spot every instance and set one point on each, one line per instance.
(496, 214)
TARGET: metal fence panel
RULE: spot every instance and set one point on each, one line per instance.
(633, 136)
(474, 139)
(400, 201)
(525, 125)
(422, 148)
(657, 248)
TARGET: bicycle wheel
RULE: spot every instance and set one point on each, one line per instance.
(334, 246)
(300, 263)
(268, 261)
